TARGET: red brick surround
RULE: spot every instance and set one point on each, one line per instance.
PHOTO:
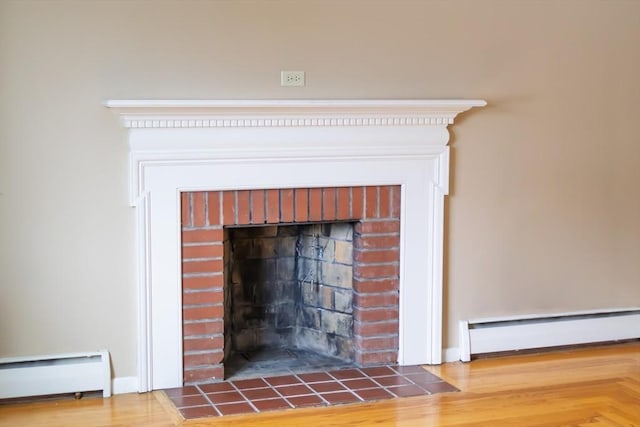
(375, 270)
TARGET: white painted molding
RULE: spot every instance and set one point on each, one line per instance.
(122, 385)
(143, 240)
(267, 128)
(451, 354)
(465, 343)
(231, 145)
(288, 113)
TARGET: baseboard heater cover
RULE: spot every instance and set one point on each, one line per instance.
(55, 374)
(482, 336)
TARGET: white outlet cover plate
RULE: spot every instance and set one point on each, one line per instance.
(292, 78)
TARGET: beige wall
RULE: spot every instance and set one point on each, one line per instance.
(544, 210)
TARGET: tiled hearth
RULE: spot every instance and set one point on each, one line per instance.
(343, 386)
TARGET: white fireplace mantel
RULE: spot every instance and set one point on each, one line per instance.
(205, 145)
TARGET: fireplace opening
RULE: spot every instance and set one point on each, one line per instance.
(288, 298)
(305, 277)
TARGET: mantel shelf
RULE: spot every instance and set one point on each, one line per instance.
(288, 113)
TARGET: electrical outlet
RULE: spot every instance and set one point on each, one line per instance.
(291, 78)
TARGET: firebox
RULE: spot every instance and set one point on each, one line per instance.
(288, 298)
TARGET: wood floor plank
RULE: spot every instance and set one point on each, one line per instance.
(592, 387)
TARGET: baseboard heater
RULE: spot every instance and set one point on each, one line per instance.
(482, 336)
(55, 374)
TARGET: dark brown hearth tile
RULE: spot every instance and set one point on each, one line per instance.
(344, 374)
(184, 401)
(253, 383)
(392, 381)
(423, 379)
(282, 380)
(294, 390)
(225, 397)
(359, 384)
(260, 393)
(378, 371)
(271, 404)
(199, 412)
(340, 397)
(304, 401)
(374, 394)
(408, 369)
(182, 391)
(216, 388)
(407, 391)
(235, 408)
(315, 377)
(327, 387)
(439, 387)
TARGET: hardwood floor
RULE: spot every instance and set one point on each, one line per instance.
(592, 387)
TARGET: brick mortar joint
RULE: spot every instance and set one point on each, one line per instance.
(359, 227)
(204, 274)
(375, 337)
(390, 275)
(374, 264)
(380, 218)
(208, 304)
(363, 339)
(202, 290)
(372, 309)
(208, 336)
(364, 279)
(198, 244)
(368, 250)
(383, 234)
(389, 306)
(199, 367)
(375, 279)
(201, 352)
(198, 321)
(375, 322)
(359, 250)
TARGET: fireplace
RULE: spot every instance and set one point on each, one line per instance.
(240, 147)
(305, 268)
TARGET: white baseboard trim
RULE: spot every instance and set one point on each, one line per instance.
(451, 355)
(124, 385)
